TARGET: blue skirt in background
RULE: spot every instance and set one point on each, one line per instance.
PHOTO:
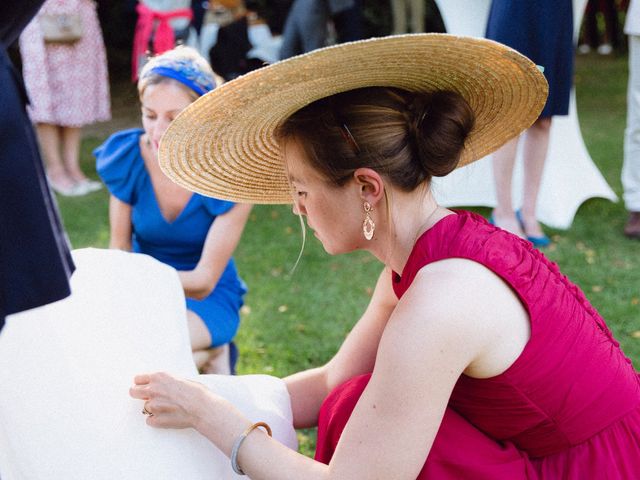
(543, 31)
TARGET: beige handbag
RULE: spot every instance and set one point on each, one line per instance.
(61, 28)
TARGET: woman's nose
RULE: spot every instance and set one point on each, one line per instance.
(160, 127)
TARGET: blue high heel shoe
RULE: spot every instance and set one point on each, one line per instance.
(539, 242)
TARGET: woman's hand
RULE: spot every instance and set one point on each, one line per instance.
(171, 402)
(199, 282)
(222, 239)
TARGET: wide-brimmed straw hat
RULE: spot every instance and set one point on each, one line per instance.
(223, 144)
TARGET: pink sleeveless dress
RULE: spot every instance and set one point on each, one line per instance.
(567, 408)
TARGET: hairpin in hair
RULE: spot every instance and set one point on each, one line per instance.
(422, 117)
(346, 134)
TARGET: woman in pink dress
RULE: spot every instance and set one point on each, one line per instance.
(476, 358)
(67, 83)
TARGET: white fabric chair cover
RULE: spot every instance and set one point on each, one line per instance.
(570, 176)
(66, 368)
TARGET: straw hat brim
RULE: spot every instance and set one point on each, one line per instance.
(223, 144)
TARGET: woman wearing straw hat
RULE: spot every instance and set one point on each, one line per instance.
(150, 214)
(476, 357)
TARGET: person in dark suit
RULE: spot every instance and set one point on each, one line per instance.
(35, 261)
(306, 25)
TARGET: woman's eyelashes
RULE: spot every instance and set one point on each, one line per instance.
(151, 116)
(297, 192)
(148, 114)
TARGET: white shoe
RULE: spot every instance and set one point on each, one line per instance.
(88, 186)
(584, 49)
(69, 191)
(605, 49)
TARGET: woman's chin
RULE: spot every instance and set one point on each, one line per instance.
(327, 247)
(333, 249)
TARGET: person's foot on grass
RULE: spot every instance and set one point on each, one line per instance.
(584, 49)
(529, 224)
(605, 49)
(532, 229)
(60, 182)
(632, 228)
(84, 184)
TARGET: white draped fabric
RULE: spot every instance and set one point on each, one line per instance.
(66, 368)
(570, 176)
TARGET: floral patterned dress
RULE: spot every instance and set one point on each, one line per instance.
(67, 83)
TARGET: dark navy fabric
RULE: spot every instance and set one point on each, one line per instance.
(35, 261)
(543, 31)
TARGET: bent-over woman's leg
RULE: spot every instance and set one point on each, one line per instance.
(213, 323)
(459, 450)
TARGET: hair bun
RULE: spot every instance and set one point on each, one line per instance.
(439, 125)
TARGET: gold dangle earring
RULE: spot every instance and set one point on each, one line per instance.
(368, 225)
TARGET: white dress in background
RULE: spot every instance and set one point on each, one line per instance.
(66, 369)
(570, 176)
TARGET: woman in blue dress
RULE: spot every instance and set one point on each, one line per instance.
(542, 31)
(150, 214)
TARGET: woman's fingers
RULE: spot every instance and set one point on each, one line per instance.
(168, 401)
(142, 385)
(139, 392)
(142, 379)
(161, 414)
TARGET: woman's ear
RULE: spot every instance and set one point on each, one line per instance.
(370, 184)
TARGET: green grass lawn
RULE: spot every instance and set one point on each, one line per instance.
(297, 320)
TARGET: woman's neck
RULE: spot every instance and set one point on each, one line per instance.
(411, 214)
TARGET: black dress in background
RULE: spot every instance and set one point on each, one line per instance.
(35, 261)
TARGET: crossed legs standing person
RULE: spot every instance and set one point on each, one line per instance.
(542, 31)
(68, 87)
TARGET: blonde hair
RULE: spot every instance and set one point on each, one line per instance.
(181, 59)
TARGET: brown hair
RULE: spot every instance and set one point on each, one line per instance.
(408, 137)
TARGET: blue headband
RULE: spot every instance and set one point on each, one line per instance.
(193, 79)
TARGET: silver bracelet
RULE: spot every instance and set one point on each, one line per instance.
(238, 443)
